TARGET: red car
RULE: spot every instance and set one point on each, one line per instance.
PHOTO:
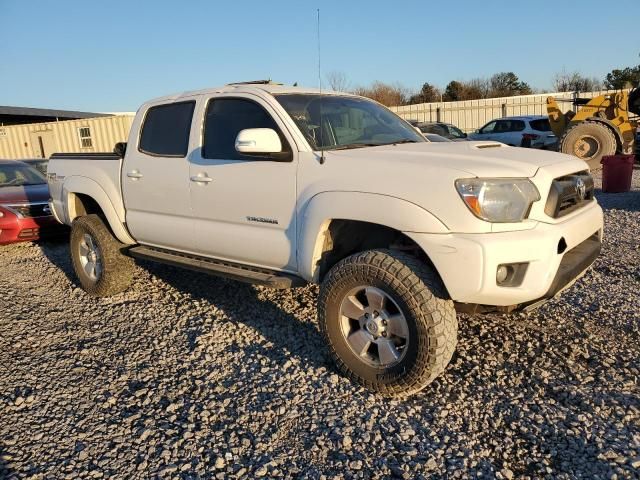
(24, 208)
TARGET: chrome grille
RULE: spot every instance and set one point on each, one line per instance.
(569, 193)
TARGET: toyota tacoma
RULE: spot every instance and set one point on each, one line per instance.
(283, 186)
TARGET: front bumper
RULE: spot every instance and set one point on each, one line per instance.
(14, 229)
(556, 255)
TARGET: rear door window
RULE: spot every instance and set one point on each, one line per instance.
(437, 129)
(509, 126)
(541, 125)
(165, 132)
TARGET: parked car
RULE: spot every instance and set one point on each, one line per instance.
(282, 186)
(533, 131)
(24, 204)
(39, 164)
(432, 137)
(445, 130)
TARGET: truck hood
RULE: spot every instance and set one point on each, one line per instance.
(475, 159)
(24, 194)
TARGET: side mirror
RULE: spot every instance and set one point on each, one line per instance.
(120, 149)
(254, 141)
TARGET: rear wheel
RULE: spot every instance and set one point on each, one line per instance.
(387, 320)
(589, 141)
(97, 258)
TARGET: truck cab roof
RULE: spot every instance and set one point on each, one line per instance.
(248, 87)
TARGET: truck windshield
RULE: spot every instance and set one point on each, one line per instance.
(333, 122)
(19, 174)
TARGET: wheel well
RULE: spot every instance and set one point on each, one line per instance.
(346, 237)
(85, 205)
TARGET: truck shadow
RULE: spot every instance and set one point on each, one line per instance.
(241, 302)
(56, 250)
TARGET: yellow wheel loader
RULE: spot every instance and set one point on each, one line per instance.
(600, 126)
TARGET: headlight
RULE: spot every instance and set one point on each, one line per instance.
(498, 200)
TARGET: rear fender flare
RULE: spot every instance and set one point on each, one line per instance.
(82, 185)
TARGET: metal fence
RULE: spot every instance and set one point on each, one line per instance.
(469, 115)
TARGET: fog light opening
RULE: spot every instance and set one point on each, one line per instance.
(511, 274)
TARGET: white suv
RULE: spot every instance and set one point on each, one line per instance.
(533, 131)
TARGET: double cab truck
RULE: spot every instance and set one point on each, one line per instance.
(283, 186)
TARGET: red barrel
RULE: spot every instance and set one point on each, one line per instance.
(617, 171)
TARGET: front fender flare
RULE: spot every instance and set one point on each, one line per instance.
(82, 185)
(385, 210)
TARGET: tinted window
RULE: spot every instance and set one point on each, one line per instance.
(225, 118)
(435, 129)
(166, 130)
(455, 132)
(541, 125)
(509, 126)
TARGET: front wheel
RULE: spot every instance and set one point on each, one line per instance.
(387, 320)
(97, 258)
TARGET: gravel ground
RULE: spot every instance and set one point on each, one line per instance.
(190, 376)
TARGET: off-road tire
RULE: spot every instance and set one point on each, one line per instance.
(607, 144)
(430, 315)
(117, 268)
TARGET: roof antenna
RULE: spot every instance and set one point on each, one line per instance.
(320, 89)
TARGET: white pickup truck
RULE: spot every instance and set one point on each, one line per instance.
(281, 186)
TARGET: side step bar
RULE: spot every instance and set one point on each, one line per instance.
(220, 268)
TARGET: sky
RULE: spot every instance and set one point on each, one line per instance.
(111, 55)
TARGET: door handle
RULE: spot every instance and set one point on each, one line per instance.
(135, 174)
(201, 178)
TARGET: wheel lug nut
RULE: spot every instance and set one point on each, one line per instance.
(384, 322)
(384, 334)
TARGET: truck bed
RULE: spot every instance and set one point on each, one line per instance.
(85, 156)
(101, 172)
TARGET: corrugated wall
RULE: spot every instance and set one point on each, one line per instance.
(470, 115)
(17, 141)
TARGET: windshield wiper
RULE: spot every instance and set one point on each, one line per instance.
(355, 145)
(404, 140)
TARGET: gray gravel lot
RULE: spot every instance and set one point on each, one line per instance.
(191, 376)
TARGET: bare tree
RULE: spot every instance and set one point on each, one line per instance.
(572, 82)
(387, 94)
(338, 81)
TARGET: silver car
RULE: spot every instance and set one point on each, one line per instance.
(443, 129)
(532, 131)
